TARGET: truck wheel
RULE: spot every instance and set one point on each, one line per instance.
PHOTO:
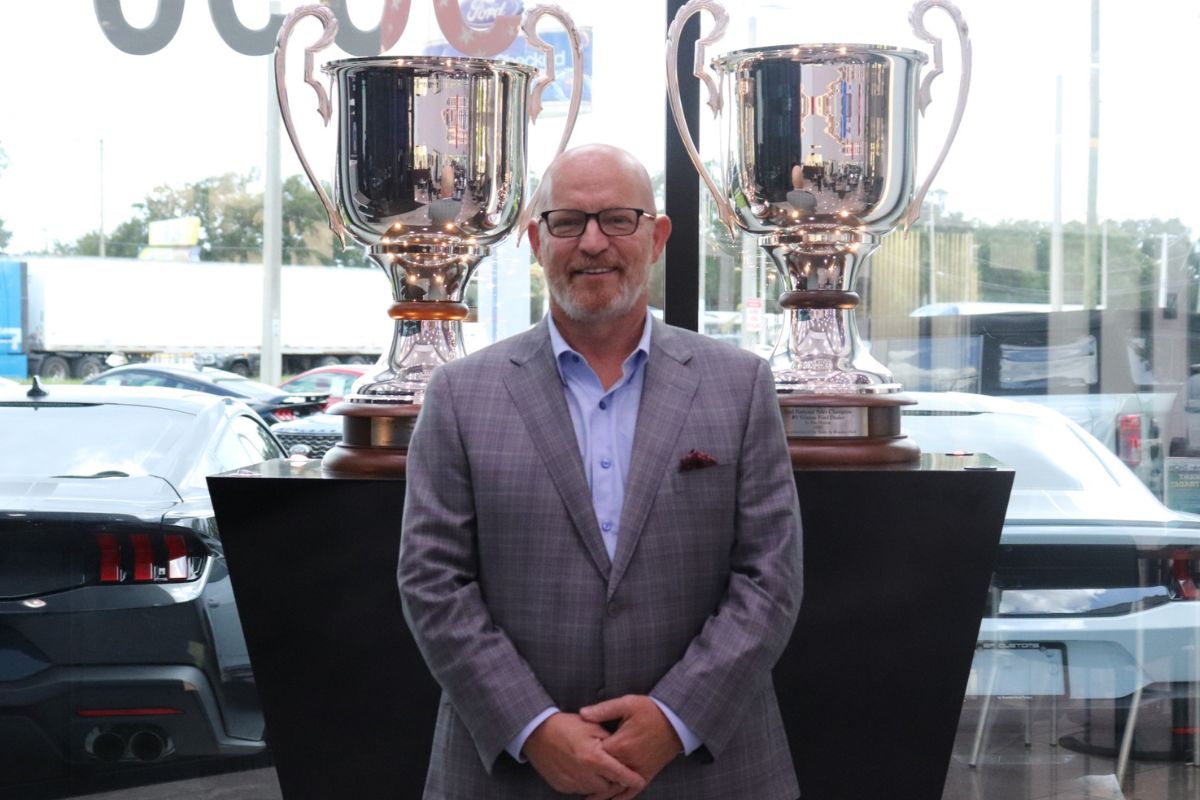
(358, 360)
(328, 361)
(239, 368)
(88, 367)
(55, 368)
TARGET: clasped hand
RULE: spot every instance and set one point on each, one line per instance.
(575, 755)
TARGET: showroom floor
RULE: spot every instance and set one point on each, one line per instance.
(1081, 766)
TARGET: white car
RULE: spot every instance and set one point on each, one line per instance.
(1094, 592)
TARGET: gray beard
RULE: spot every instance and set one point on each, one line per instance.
(619, 306)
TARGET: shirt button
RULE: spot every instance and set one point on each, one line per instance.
(603, 405)
(605, 463)
(607, 526)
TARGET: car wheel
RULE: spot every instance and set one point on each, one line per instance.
(358, 360)
(55, 368)
(88, 367)
(239, 368)
(328, 361)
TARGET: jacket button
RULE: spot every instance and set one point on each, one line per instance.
(602, 693)
(614, 609)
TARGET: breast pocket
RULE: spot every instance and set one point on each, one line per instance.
(703, 491)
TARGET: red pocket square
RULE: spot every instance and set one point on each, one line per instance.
(696, 459)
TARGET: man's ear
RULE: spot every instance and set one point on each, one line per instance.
(535, 238)
(662, 231)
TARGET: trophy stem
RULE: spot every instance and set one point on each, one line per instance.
(820, 350)
(428, 275)
(840, 405)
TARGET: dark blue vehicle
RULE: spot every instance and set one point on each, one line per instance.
(120, 643)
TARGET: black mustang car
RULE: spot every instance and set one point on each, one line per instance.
(119, 638)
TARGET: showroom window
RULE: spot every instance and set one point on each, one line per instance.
(1051, 273)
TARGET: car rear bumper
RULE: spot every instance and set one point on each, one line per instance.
(116, 714)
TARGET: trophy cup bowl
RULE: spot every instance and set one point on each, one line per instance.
(430, 173)
(819, 167)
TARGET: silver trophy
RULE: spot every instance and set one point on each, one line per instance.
(430, 173)
(820, 166)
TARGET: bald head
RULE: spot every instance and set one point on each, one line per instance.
(591, 162)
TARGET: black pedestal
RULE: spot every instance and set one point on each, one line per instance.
(897, 563)
(348, 702)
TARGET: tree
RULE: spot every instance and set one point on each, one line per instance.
(230, 216)
(126, 241)
(231, 223)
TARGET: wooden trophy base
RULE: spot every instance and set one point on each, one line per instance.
(829, 430)
(374, 440)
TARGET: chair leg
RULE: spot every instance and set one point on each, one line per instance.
(981, 727)
(1127, 735)
(1054, 720)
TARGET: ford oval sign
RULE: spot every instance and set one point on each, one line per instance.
(482, 13)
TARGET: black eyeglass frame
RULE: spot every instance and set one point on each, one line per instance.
(590, 215)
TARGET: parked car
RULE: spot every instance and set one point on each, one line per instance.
(120, 642)
(272, 403)
(334, 380)
(318, 433)
(1094, 593)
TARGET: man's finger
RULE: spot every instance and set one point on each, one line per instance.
(628, 794)
(613, 790)
(607, 794)
(617, 708)
(611, 769)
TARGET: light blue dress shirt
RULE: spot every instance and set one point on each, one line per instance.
(604, 421)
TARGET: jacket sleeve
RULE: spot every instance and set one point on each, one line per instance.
(730, 660)
(490, 686)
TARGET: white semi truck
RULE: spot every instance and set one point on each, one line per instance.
(70, 316)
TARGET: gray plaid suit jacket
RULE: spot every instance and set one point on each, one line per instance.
(516, 606)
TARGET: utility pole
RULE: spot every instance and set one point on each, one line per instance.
(1162, 272)
(1104, 264)
(102, 235)
(936, 198)
(1089, 255)
(1056, 230)
(270, 369)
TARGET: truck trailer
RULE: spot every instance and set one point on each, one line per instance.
(73, 316)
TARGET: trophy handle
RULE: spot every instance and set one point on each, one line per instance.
(329, 21)
(721, 18)
(916, 18)
(529, 28)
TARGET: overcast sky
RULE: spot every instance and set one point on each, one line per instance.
(197, 109)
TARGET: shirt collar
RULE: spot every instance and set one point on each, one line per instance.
(561, 348)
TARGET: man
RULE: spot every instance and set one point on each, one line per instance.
(600, 557)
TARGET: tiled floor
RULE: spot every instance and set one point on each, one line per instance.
(1010, 769)
(257, 784)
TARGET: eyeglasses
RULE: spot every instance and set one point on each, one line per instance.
(568, 223)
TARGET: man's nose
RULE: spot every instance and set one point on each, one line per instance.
(593, 240)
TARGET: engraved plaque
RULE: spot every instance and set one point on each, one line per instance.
(825, 421)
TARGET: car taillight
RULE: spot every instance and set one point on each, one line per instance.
(284, 414)
(1129, 439)
(1176, 568)
(147, 558)
(1184, 569)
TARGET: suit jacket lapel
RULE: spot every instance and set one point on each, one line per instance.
(667, 396)
(536, 388)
